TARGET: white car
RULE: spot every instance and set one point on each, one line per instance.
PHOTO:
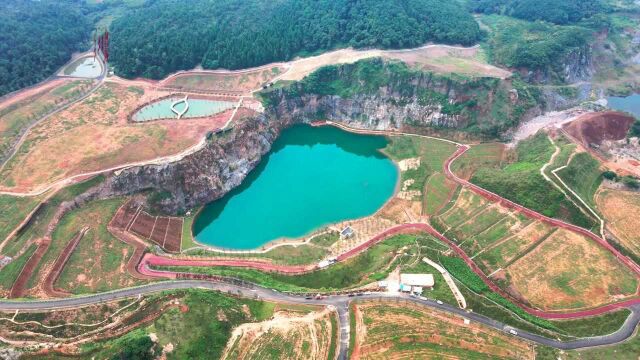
(513, 332)
(439, 302)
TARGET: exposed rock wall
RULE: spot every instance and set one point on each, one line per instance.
(422, 101)
(203, 176)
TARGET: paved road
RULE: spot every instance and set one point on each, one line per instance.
(339, 302)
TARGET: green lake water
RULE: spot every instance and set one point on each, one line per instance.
(630, 104)
(311, 178)
(197, 108)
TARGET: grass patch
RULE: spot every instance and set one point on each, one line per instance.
(41, 219)
(583, 175)
(521, 182)
(188, 241)
(198, 331)
(432, 154)
(9, 273)
(594, 326)
(97, 262)
(14, 210)
(348, 274)
(436, 194)
(459, 269)
(333, 345)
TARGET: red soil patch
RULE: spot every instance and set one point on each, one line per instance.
(174, 235)
(166, 232)
(159, 231)
(594, 128)
(18, 288)
(143, 225)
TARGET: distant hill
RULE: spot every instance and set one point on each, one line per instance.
(168, 35)
(36, 38)
(559, 12)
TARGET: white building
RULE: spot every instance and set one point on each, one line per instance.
(415, 282)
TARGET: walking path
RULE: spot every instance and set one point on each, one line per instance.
(449, 280)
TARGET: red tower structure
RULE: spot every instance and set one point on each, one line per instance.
(102, 46)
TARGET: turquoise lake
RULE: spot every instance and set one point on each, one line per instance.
(311, 178)
(197, 108)
(630, 104)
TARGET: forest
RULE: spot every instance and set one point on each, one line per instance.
(559, 12)
(36, 38)
(167, 35)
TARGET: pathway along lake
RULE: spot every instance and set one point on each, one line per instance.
(313, 176)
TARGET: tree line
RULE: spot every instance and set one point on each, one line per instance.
(559, 12)
(167, 35)
(36, 38)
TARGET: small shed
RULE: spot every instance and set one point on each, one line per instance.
(347, 233)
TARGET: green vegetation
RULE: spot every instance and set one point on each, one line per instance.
(630, 181)
(237, 34)
(634, 130)
(97, 263)
(432, 155)
(485, 104)
(353, 327)
(536, 46)
(286, 255)
(37, 37)
(557, 12)
(437, 193)
(522, 182)
(348, 274)
(594, 326)
(38, 225)
(9, 273)
(459, 269)
(198, 330)
(14, 210)
(335, 336)
(627, 350)
(583, 175)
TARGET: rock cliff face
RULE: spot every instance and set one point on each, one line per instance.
(391, 107)
(418, 102)
(576, 66)
(203, 176)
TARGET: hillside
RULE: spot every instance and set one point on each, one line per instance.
(164, 36)
(36, 38)
(381, 94)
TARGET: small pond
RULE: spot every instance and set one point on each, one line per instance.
(630, 104)
(311, 178)
(86, 67)
(197, 108)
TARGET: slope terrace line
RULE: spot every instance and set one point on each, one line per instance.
(533, 214)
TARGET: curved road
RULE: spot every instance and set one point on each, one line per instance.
(340, 302)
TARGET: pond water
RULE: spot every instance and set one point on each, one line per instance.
(86, 67)
(630, 104)
(197, 108)
(311, 178)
